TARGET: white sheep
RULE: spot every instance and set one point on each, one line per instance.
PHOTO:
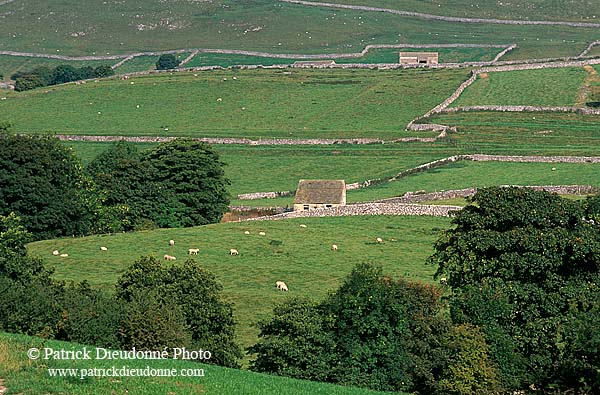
(55, 252)
(246, 232)
(379, 240)
(233, 251)
(334, 247)
(171, 243)
(64, 255)
(302, 226)
(281, 286)
(193, 251)
(170, 258)
(443, 281)
(261, 233)
(103, 249)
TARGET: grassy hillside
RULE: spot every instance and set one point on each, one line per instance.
(545, 87)
(524, 133)
(299, 256)
(23, 376)
(257, 103)
(561, 10)
(86, 28)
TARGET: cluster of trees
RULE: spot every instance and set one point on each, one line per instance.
(153, 307)
(44, 76)
(167, 62)
(176, 184)
(523, 312)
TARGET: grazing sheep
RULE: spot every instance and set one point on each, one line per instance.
(443, 281)
(554, 169)
(233, 251)
(170, 258)
(193, 251)
(103, 249)
(302, 226)
(171, 243)
(379, 240)
(55, 252)
(261, 233)
(281, 286)
(334, 247)
(64, 255)
(246, 233)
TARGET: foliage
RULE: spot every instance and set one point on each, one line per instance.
(89, 316)
(522, 264)
(196, 292)
(372, 332)
(41, 183)
(153, 322)
(470, 370)
(192, 183)
(167, 62)
(44, 76)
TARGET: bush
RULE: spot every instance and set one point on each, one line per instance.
(167, 62)
(198, 295)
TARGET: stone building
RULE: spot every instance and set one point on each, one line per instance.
(312, 194)
(427, 58)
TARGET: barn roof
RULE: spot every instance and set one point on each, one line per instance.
(321, 191)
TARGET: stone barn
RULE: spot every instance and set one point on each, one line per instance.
(426, 58)
(312, 194)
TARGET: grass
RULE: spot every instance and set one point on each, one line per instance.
(11, 64)
(545, 87)
(258, 104)
(29, 377)
(582, 11)
(144, 63)
(299, 256)
(524, 133)
(264, 25)
(380, 55)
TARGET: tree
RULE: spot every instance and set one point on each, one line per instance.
(41, 183)
(372, 332)
(103, 71)
(190, 177)
(167, 62)
(196, 292)
(64, 73)
(27, 82)
(522, 264)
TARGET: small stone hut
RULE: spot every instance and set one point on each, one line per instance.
(427, 58)
(312, 194)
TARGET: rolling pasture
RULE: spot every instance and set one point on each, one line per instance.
(558, 10)
(299, 256)
(23, 376)
(544, 87)
(83, 28)
(237, 103)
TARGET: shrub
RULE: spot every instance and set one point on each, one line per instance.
(167, 62)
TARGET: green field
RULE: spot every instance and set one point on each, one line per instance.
(258, 103)
(299, 256)
(524, 133)
(23, 376)
(560, 10)
(545, 87)
(83, 28)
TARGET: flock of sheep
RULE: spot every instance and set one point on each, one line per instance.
(280, 285)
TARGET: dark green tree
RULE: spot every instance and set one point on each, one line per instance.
(192, 182)
(27, 82)
(167, 62)
(40, 181)
(197, 293)
(522, 264)
(103, 71)
(64, 73)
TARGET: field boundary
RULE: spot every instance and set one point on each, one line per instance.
(440, 163)
(443, 107)
(421, 15)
